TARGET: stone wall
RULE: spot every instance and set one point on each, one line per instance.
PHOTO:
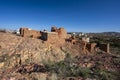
(57, 36)
(49, 36)
(71, 39)
(61, 32)
(26, 32)
(91, 47)
(55, 33)
(105, 47)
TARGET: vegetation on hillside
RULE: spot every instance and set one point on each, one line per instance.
(99, 66)
(70, 68)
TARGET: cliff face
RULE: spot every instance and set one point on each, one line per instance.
(16, 50)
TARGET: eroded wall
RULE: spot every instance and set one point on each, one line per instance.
(91, 47)
(105, 47)
(26, 32)
(61, 32)
(49, 36)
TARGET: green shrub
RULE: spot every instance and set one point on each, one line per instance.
(68, 68)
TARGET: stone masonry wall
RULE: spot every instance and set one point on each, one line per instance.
(49, 36)
(105, 47)
(25, 32)
(61, 32)
(55, 36)
(91, 47)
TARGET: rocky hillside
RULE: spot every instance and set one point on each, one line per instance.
(33, 59)
(16, 50)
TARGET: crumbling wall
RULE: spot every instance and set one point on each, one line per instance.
(44, 36)
(26, 32)
(56, 35)
(61, 32)
(50, 36)
(91, 47)
(105, 47)
(71, 39)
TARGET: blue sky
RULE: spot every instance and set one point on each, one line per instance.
(74, 15)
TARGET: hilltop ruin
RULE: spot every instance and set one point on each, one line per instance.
(60, 35)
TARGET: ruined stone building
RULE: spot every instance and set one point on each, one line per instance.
(105, 47)
(54, 35)
(26, 32)
(91, 47)
(94, 47)
(59, 35)
(49, 36)
(61, 32)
